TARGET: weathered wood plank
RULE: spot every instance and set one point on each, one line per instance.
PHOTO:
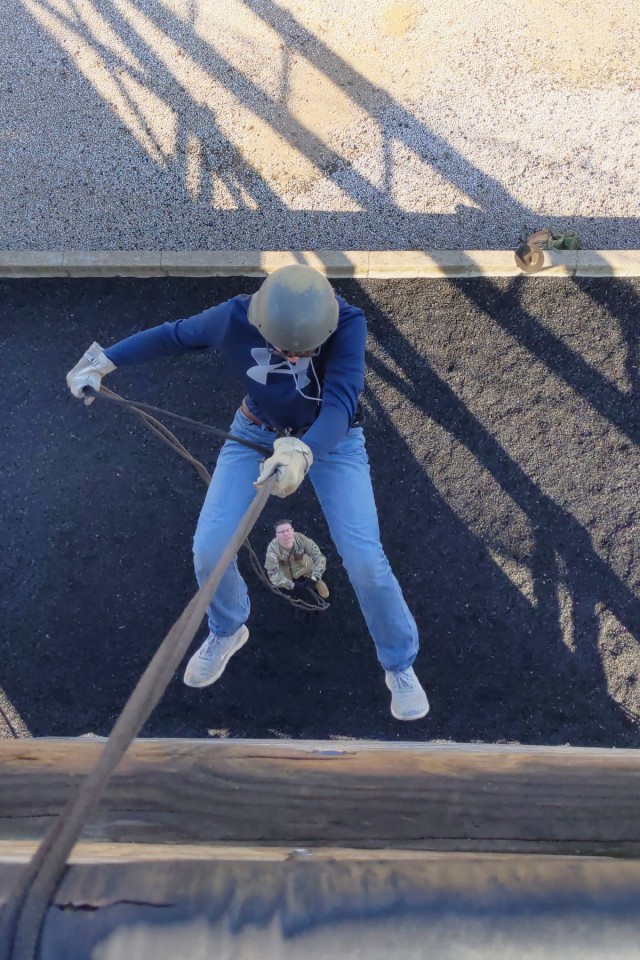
(430, 796)
(319, 909)
(86, 851)
(101, 851)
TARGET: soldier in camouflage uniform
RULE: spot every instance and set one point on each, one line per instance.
(293, 558)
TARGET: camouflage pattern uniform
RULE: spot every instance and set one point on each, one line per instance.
(302, 560)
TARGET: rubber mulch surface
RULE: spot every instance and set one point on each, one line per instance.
(502, 428)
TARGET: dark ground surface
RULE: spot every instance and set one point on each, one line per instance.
(503, 433)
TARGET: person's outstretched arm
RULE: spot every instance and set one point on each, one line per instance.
(203, 330)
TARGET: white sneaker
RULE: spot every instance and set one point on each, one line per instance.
(208, 663)
(408, 699)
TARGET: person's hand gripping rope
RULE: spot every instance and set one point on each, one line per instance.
(88, 372)
(290, 460)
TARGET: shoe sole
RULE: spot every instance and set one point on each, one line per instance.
(244, 636)
(417, 716)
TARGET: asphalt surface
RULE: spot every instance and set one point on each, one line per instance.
(503, 434)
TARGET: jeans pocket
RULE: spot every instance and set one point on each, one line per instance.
(241, 421)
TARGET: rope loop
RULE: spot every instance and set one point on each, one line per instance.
(141, 410)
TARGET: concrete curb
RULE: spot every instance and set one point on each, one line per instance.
(386, 264)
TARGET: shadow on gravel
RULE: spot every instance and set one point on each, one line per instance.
(618, 407)
(129, 72)
(622, 305)
(506, 485)
(505, 654)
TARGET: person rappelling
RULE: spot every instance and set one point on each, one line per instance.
(298, 349)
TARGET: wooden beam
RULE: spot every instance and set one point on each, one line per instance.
(102, 851)
(337, 793)
(477, 907)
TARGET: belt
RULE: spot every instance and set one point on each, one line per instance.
(288, 431)
(281, 431)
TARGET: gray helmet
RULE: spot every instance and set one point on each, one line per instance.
(295, 309)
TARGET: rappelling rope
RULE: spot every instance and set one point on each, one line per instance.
(141, 410)
(22, 916)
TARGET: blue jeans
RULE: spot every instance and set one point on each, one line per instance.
(342, 483)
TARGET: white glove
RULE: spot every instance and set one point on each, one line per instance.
(291, 459)
(89, 371)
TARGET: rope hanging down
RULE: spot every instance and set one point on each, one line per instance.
(22, 916)
(143, 411)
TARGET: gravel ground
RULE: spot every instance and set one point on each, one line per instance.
(503, 433)
(307, 124)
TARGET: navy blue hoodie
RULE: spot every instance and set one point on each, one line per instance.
(320, 393)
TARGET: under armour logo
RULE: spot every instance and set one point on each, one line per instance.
(263, 357)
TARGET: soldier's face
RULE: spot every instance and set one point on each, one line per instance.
(284, 533)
